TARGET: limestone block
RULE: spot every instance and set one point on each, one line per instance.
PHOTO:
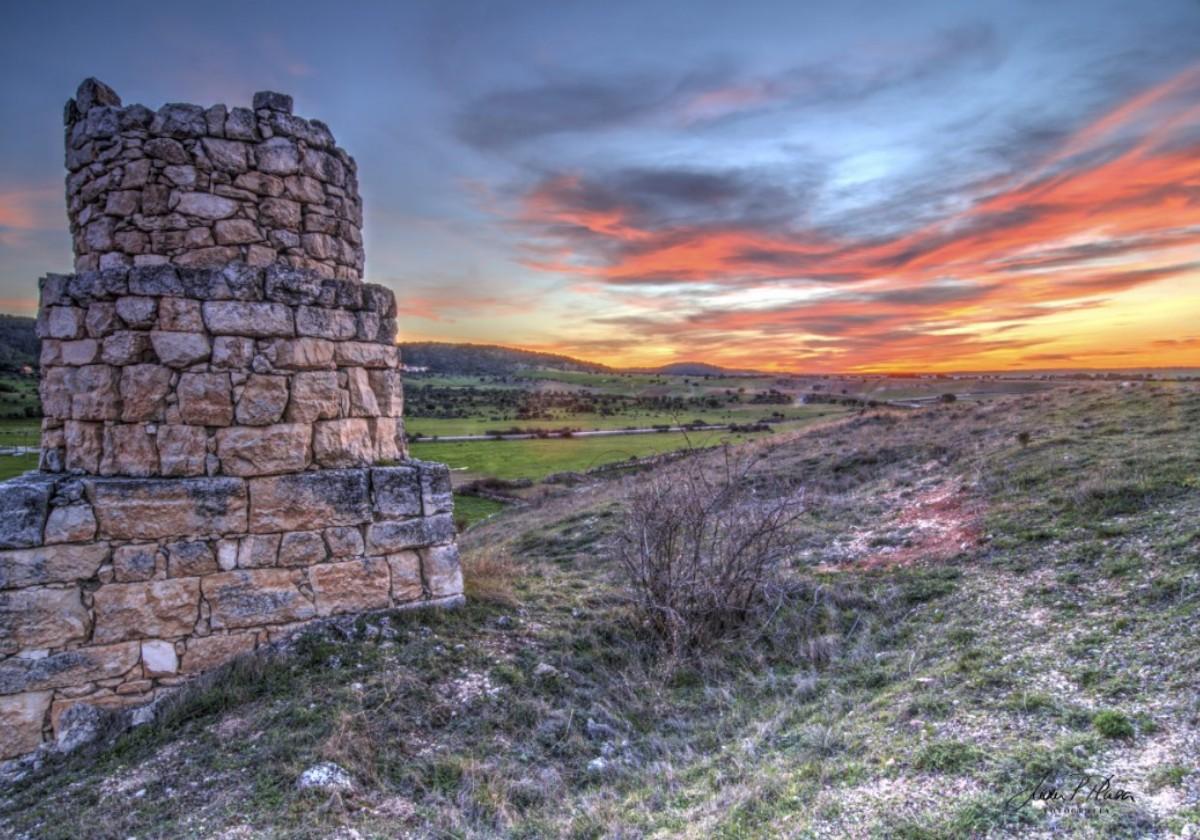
(388, 537)
(442, 571)
(259, 183)
(284, 284)
(387, 436)
(181, 449)
(148, 609)
(304, 189)
(70, 523)
(180, 349)
(208, 257)
(263, 400)
(155, 281)
(264, 450)
(303, 501)
(336, 324)
(58, 563)
(24, 503)
(255, 597)
(136, 562)
(277, 156)
(241, 125)
(365, 354)
(159, 658)
(258, 550)
(405, 569)
(155, 508)
(302, 548)
(396, 491)
(279, 213)
(189, 558)
(379, 299)
(179, 314)
(67, 668)
(41, 618)
(205, 205)
(129, 450)
(55, 390)
(62, 322)
(139, 313)
(344, 542)
(362, 398)
(437, 494)
(314, 396)
(204, 654)
(259, 320)
(301, 353)
(95, 393)
(205, 399)
(236, 232)
(21, 719)
(85, 446)
(125, 348)
(180, 121)
(232, 352)
(83, 351)
(143, 391)
(225, 155)
(342, 443)
(352, 586)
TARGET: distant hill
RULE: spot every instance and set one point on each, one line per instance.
(18, 342)
(487, 359)
(693, 369)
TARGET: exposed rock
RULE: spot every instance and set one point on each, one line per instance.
(302, 548)
(21, 717)
(327, 777)
(41, 618)
(264, 450)
(60, 563)
(342, 443)
(259, 320)
(151, 509)
(263, 400)
(352, 586)
(205, 399)
(255, 597)
(24, 505)
(153, 608)
(309, 500)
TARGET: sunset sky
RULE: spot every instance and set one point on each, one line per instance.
(794, 186)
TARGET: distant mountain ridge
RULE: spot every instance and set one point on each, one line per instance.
(496, 360)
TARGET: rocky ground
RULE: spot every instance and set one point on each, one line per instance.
(997, 595)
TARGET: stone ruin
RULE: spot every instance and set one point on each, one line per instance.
(223, 454)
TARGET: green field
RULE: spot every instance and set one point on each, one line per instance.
(510, 459)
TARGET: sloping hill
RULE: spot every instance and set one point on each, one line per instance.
(18, 342)
(487, 359)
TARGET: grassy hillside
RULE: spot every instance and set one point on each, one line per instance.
(18, 342)
(998, 592)
(486, 359)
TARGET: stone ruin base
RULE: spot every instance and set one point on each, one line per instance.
(115, 590)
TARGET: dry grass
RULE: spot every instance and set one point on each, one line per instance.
(489, 574)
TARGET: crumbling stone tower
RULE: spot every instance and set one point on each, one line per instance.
(223, 451)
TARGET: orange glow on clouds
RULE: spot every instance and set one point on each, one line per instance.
(1091, 259)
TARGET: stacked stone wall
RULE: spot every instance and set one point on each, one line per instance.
(115, 590)
(196, 186)
(239, 370)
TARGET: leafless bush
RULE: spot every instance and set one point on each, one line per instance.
(702, 545)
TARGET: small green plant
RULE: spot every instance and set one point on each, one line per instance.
(947, 757)
(1112, 724)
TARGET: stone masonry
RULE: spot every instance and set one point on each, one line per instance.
(223, 451)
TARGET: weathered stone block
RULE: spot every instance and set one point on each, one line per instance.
(365, 354)
(437, 494)
(84, 351)
(309, 500)
(387, 435)
(206, 653)
(232, 352)
(136, 562)
(143, 391)
(24, 503)
(124, 347)
(154, 508)
(159, 658)
(344, 542)
(85, 446)
(205, 205)
(352, 586)
(70, 523)
(301, 353)
(407, 584)
(442, 571)
(252, 598)
(62, 322)
(258, 551)
(67, 668)
(41, 618)
(153, 608)
(180, 349)
(396, 491)
(302, 548)
(21, 719)
(178, 314)
(263, 400)
(205, 399)
(335, 324)
(95, 393)
(181, 450)
(259, 320)
(342, 443)
(315, 396)
(190, 558)
(391, 536)
(129, 450)
(264, 450)
(60, 563)
(362, 398)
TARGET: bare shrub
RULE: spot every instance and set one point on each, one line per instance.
(702, 544)
(489, 574)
